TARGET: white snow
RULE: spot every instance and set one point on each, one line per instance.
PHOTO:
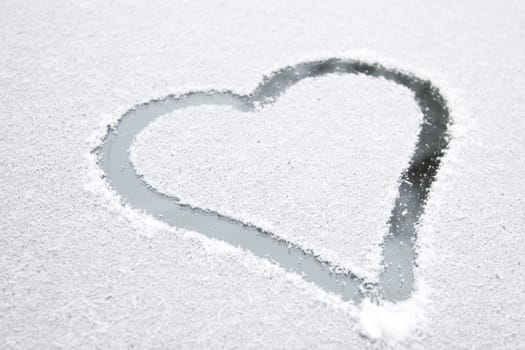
(394, 322)
(78, 270)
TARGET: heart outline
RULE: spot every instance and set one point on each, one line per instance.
(415, 180)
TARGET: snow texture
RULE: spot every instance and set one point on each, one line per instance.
(319, 168)
(79, 270)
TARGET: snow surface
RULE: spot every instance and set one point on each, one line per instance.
(79, 270)
(320, 167)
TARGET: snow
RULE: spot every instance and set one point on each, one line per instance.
(78, 269)
(392, 322)
(311, 168)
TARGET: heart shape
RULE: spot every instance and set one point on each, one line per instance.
(395, 282)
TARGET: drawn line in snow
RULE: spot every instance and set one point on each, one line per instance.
(396, 279)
